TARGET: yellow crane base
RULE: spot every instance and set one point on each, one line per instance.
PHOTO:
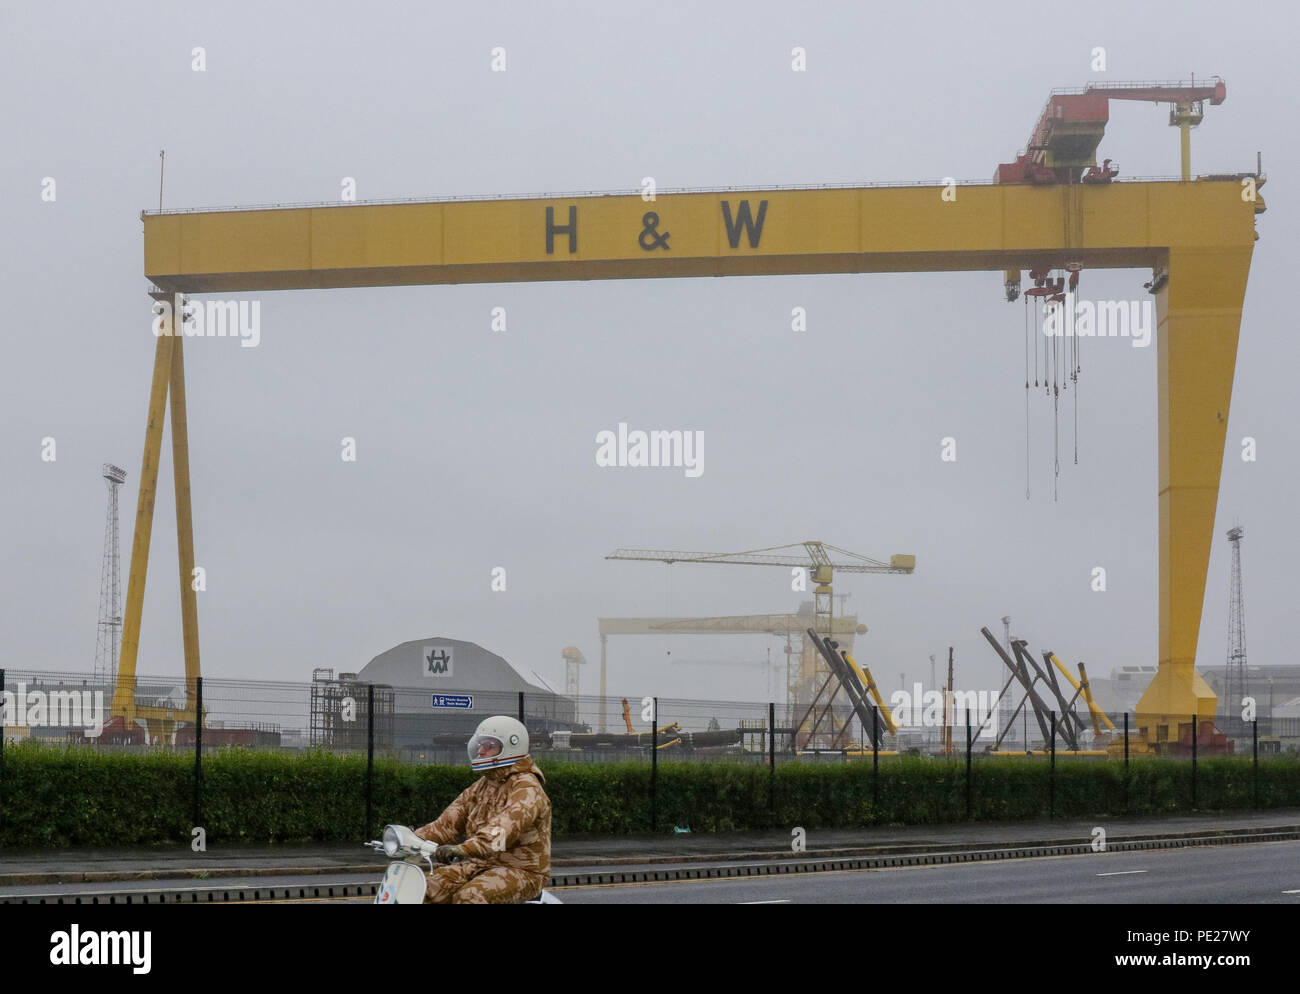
(1177, 692)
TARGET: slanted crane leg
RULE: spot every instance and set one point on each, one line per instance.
(124, 694)
(184, 522)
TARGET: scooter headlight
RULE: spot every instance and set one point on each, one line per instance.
(391, 842)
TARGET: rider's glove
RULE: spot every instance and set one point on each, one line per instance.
(445, 854)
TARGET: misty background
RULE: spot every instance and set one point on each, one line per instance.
(476, 449)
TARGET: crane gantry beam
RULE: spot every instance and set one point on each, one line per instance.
(1197, 237)
(736, 624)
(756, 232)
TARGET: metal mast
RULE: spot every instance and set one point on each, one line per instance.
(109, 635)
(1235, 671)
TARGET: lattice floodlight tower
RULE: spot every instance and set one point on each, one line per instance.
(108, 637)
(1234, 683)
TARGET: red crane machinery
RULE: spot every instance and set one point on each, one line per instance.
(1063, 146)
(1062, 151)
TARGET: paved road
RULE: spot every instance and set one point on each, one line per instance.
(581, 852)
(1260, 872)
(1248, 874)
(321, 882)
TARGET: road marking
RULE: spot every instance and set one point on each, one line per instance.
(1291, 892)
(1120, 873)
(783, 900)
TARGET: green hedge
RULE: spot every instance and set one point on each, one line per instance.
(70, 796)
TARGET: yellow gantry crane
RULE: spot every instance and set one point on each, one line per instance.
(1196, 235)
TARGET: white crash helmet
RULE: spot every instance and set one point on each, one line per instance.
(505, 739)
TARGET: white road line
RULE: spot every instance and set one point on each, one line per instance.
(781, 901)
(1120, 873)
(1291, 892)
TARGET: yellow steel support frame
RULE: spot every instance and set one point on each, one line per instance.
(1198, 236)
(168, 377)
(868, 681)
(184, 523)
(1081, 686)
(1198, 319)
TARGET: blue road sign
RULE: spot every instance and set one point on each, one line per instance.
(463, 701)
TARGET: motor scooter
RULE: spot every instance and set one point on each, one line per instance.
(404, 880)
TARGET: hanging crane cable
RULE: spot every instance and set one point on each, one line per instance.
(1074, 375)
(1028, 335)
(668, 608)
(1056, 400)
(1035, 344)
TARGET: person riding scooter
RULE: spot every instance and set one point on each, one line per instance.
(499, 828)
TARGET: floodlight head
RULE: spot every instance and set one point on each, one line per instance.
(114, 474)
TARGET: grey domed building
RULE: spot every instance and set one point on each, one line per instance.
(411, 678)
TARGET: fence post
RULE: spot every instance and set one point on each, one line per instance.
(370, 754)
(875, 763)
(1126, 769)
(198, 750)
(968, 752)
(654, 757)
(1194, 762)
(771, 761)
(1051, 786)
(521, 707)
(1255, 751)
(3, 806)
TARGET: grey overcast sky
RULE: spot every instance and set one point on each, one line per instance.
(476, 449)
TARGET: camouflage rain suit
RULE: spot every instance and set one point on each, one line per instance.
(505, 819)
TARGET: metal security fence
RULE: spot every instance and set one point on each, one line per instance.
(344, 714)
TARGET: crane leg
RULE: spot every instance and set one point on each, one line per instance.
(124, 694)
(184, 521)
(1198, 318)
